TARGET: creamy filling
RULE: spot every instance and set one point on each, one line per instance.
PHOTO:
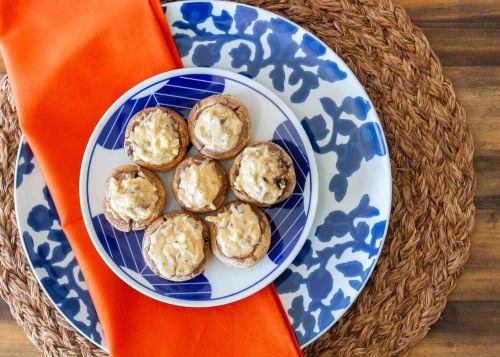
(218, 128)
(238, 230)
(259, 174)
(176, 246)
(133, 198)
(199, 185)
(155, 139)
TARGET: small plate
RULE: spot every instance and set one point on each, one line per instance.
(290, 220)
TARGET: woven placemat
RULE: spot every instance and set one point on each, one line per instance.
(433, 183)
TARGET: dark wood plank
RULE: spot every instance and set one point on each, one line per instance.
(465, 329)
(13, 341)
(465, 46)
(487, 169)
(457, 12)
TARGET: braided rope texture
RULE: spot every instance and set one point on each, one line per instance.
(432, 216)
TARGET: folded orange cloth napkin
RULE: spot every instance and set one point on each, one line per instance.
(68, 62)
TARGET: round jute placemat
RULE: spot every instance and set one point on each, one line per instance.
(433, 183)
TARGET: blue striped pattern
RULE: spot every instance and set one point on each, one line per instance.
(180, 93)
(126, 251)
(288, 218)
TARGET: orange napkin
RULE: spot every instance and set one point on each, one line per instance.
(68, 62)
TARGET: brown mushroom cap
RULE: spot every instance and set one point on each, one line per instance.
(183, 138)
(288, 174)
(260, 249)
(235, 105)
(125, 171)
(197, 160)
(146, 242)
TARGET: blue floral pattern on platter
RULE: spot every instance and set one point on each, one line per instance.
(355, 183)
(250, 30)
(48, 250)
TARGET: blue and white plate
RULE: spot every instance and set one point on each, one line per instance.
(351, 154)
(290, 220)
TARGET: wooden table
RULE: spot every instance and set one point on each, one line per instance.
(466, 36)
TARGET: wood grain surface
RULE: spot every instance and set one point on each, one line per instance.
(466, 36)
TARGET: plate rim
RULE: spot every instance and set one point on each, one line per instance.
(266, 280)
(38, 278)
